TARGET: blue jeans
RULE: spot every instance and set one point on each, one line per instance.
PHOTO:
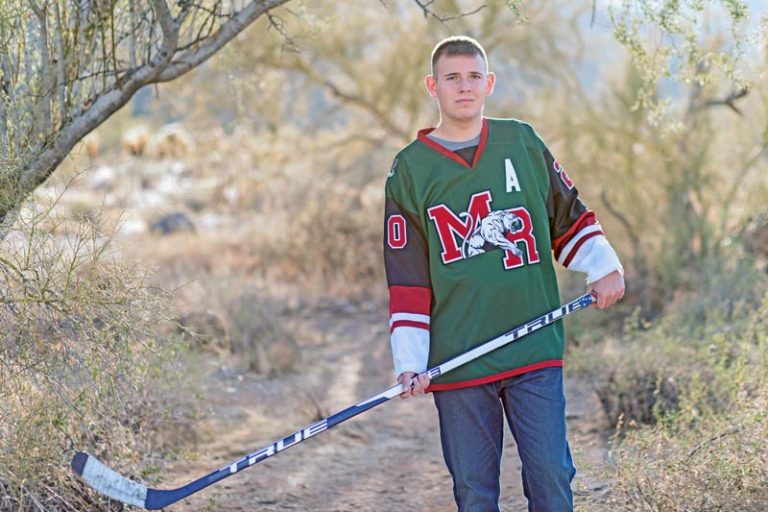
(471, 433)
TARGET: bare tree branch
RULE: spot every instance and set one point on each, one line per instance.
(99, 55)
(105, 105)
(366, 105)
(425, 6)
(729, 101)
(59, 51)
(191, 58)
(278, 24)
(43, 106)
(356, 100)
(170, 31)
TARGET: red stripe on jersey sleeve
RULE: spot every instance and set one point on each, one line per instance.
(585, 219)
(409, 299)
(578, 245)
(408, 323)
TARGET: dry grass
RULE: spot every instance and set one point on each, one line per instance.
(81, 366)
(720, 464)
(688, 395)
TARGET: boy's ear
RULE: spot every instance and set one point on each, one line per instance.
(431, 84)
(491, 82)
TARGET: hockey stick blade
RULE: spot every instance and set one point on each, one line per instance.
(110, 483)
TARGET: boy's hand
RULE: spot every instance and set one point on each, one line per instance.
(412, 383)
(609, 289)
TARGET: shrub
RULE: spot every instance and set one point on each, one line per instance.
(704, 450)
(690, 360)
(81, 366)
(720, 464)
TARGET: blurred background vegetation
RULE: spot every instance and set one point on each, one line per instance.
(191, 218)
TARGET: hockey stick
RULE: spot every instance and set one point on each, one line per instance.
(112, 484)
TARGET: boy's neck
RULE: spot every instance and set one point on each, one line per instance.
(458, 131)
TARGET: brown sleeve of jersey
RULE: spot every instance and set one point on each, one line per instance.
(406, 262)
(569, 218)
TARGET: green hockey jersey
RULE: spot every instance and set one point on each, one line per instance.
(467, 252)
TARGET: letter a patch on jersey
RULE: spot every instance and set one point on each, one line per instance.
(512, 182)
(480, 229)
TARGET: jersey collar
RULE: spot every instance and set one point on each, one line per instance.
(422, 137)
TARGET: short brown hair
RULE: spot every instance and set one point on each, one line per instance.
(457, 45)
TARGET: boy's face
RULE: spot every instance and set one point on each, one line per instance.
(460, 84)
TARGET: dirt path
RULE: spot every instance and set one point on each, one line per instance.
(387, 459)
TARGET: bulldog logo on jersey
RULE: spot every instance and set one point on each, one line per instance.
(480, 229)
(492, 230)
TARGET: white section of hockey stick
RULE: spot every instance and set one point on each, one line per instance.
(112, 484)
(389, 393)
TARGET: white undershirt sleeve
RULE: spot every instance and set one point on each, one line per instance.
(597, 258)
(410, 349)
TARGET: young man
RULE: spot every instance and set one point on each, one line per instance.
(474, 207)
